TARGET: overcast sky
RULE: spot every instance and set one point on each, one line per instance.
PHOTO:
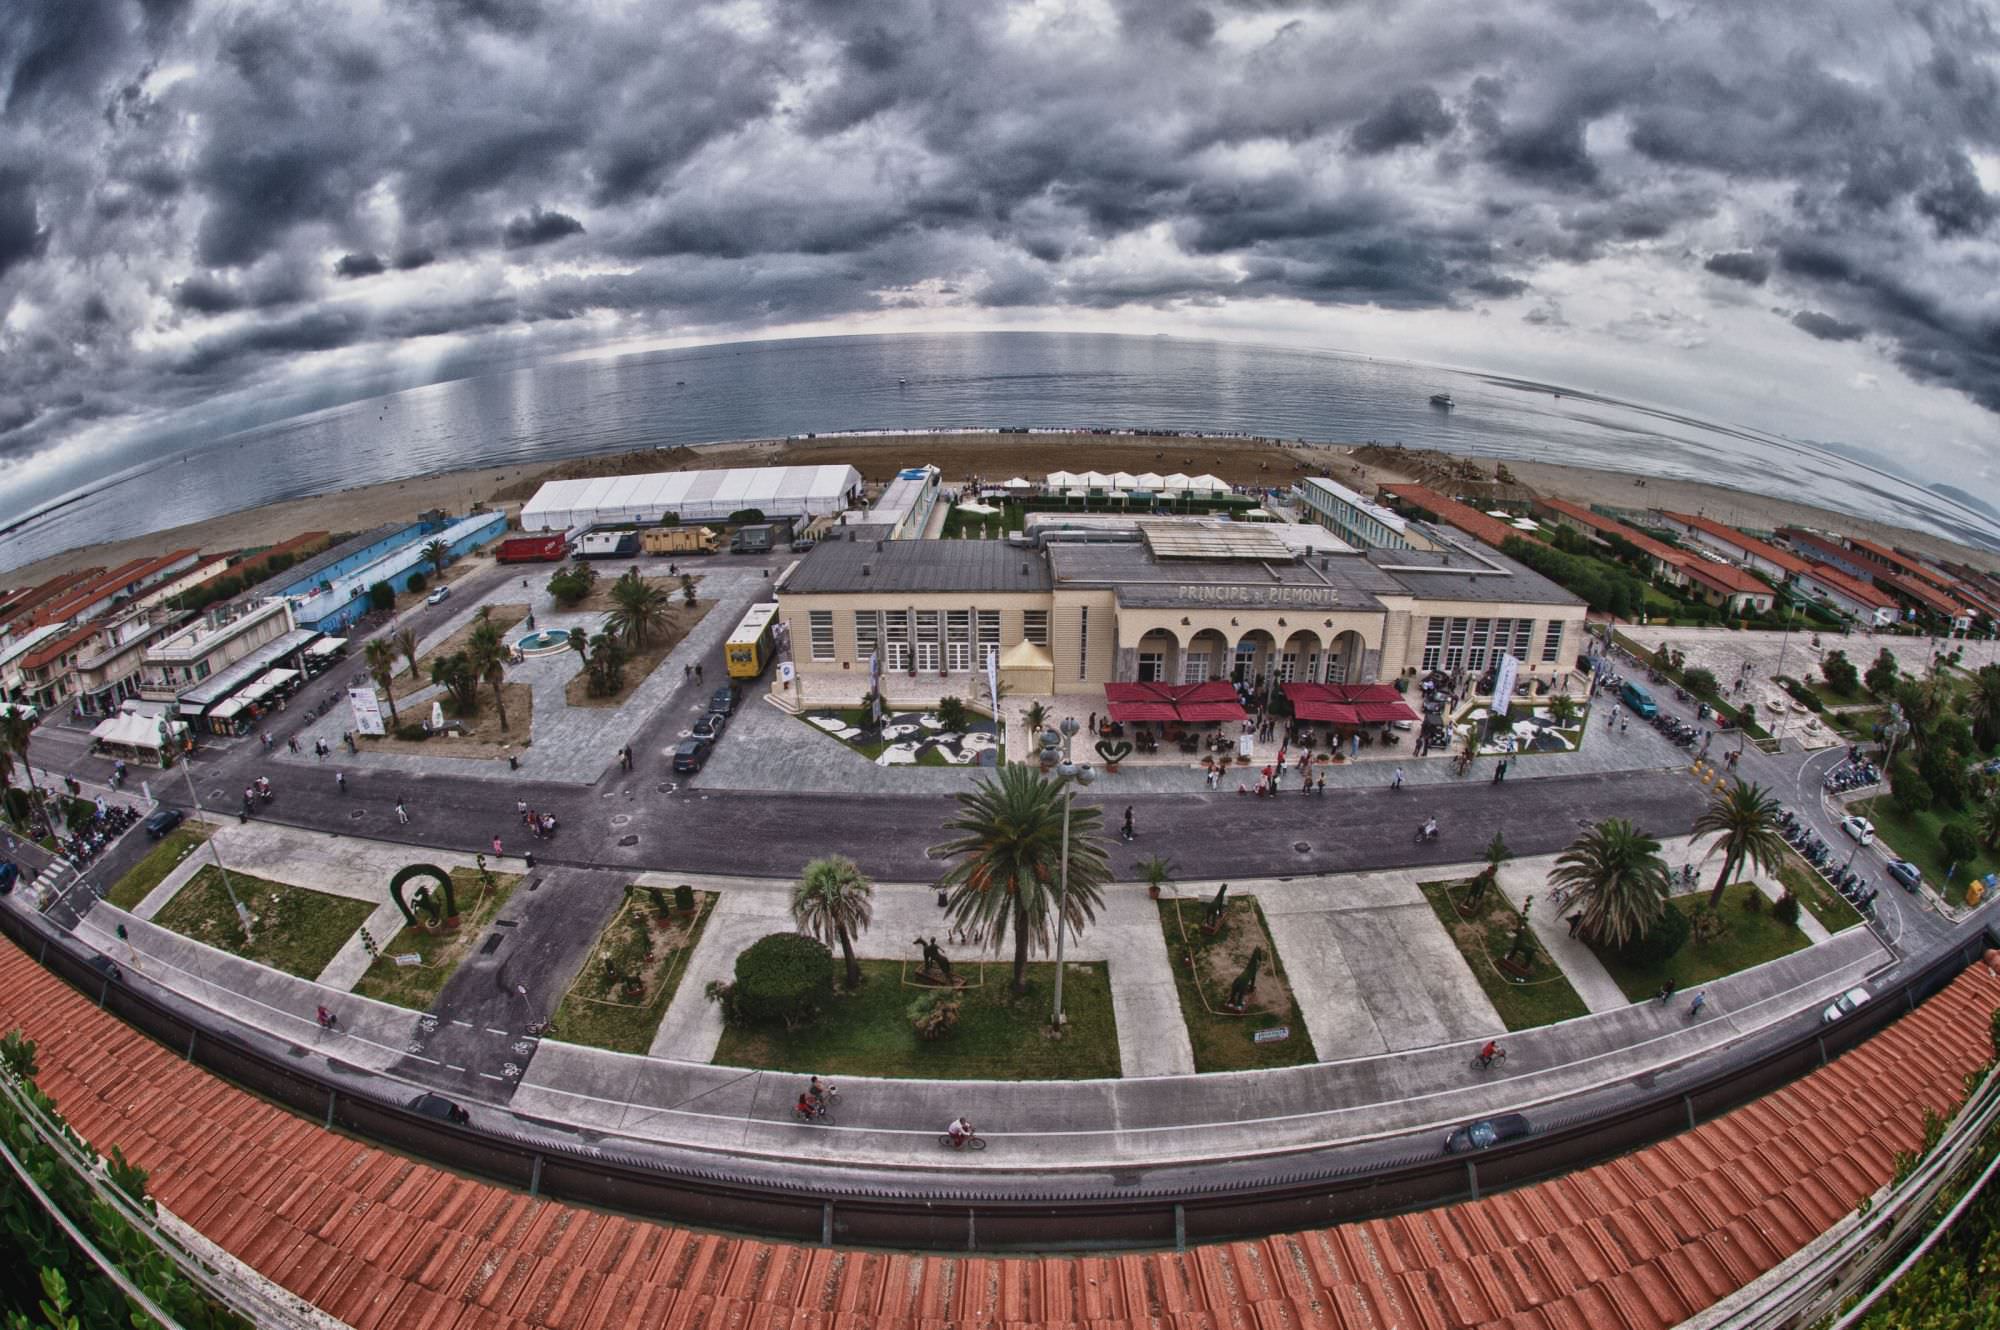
(1781, 215)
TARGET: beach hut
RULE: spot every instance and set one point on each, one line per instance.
(1176, 484)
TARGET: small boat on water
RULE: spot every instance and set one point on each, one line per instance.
(1443, 400)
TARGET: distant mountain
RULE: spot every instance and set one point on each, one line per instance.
(1972, 501)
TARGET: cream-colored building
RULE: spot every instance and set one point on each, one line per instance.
(1174, 601)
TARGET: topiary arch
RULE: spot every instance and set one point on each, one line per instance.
(423, 870)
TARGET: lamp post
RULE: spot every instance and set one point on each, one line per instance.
(242, 914)
(1784, 644)
(1071, 774)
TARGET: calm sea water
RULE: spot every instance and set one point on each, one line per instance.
(772, 389)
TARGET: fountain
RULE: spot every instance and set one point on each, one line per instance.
(547, 642)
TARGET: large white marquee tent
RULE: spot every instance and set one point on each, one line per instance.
(695, 496)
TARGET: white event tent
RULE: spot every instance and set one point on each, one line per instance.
(694, 496)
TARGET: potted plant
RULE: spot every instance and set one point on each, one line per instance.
(1157, 871)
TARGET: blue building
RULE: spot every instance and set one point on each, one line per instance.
(332, 596)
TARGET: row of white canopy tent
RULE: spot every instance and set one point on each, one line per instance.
(1148, 482)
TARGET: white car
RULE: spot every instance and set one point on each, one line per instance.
(1860, 828)
(439, 596)
(1845, 1003)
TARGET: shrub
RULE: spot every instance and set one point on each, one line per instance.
(1839, 673)
(951, 714)
(1753, 901)
(417, 583)
(1785, 910)
(412, 731)
(934, 1015)
(782, 978)
(1700, 682)
(743, 515)
(1658, 944)
(381, 596)
(1910, 790)
(684, 898)
(76, 812)
(1960, 846)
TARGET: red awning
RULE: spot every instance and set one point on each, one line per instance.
(1139, 711)
(1326, 713)
(1212, 711)
(1196, 702)
(1347, 704)
(1373, 712)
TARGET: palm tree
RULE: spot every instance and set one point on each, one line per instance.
(579, 641)
(1620, 878)
(406, 646)
(1989, 821)
(1034, 719)
(381, 658)
(1009, 857)
(637, 608)
(436, 552)
(833, 902)
(487, 657)
(1744, 818)
(1985, 702)
(15, 731)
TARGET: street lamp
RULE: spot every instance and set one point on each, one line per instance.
(1071, 774)
(242, 914)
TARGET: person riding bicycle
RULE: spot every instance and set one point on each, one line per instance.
(1491, 1051)
(807, 1107)
(819, 1090)
(960, 1131)
(325, 1018)
(1431, 828)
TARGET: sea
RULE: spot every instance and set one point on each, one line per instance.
(775, 389)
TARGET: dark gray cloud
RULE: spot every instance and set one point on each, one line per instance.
(190, 188)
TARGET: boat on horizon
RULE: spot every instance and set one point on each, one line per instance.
(1443, 400)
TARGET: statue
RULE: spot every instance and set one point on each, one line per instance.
(1246, 983)
(936, 964)
(1211, 918)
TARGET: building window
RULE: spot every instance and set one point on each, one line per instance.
(989, 631)
(896, 631)
(1524, 639)
(1082, 641)
(1035, 627)
(1288, 663)
(1152, 667)
(821, 624)
(1552, 642)
(1433, 648)
(1476, 659)
(1194, 667)
(1454, 651)
(867, 634)
(929, 627)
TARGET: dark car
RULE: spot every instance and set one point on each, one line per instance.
(165, 820)
(723, 700)
(690, 755)
(712, 725)
(437, 1106)
(10, 873)
(107, 967)
(1486, 1133)
(1906, 873)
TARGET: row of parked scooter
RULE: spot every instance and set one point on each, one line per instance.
(1819, 854)
(96, 835)
(1852, 776)
(1676, 729)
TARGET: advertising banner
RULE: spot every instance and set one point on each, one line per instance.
(1503, 683)
(367, 709)
(993, 678)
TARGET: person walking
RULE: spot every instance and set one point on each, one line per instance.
(1500, 771)
(340, 781)
(697, 671)
(1128, 822)
(625, 757)
(497, 851)
(1321, 787)
(402, 814)
(521, 809)
(293, 744)
(1666, 993)
(1395, 781)
(1700, 1001)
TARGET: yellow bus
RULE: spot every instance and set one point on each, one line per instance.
(750, 645)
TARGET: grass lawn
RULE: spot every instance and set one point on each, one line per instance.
(999, 1037)
(1915, 837)
(298, 931)
(600, 1008)
(1827, 905)
(482, 737)
(1542, 996)
(417, 985)
(161, 860)
(1749, 939)
(1222, 1039)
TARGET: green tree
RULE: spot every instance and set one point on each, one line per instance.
(1881, 676)
(435, 553)
(486, 657)
(406, 647)
(687, 590)
(1744, 820)
(1700, 682)
(381, 658)
(381, 597)
(1983, 700)
(1616, 872)
(1908, 788)
(454, 674)
(1562, 710)
(579, 641)
(1989, 821)
(1497, 853)
(834, 902)
(17, 732)
(1960, 846)
(638, 609)
(605, 667)
(1839, 672)
(1008, 854)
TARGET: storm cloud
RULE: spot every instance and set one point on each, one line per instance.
(198, 197)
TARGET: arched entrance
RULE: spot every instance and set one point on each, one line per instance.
(1298, 660)
(1158, 653)
(1344, 660)
(1205, 657)
(1252, 657)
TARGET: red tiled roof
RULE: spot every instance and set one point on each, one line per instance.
(379, 1240)
(1791, 563)
(1466, 518)
(1880, 553)
(61, 584)
(1852, 587)
(256, 562)
(1921, 592)
(1725, 577)
(110, 584)
(53, 649)
(1658, 549)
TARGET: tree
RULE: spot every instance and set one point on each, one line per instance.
(1881, 676)
(637, 609)
(687, 590)
(579, 641)
(486, 657)
(834, 902)
(570, 585)
(605, 666)
(381, 658)
(1616, 871)
(1744, 820)
(1960, 846)
(1008, 857)
(1989, 821)
(1562, 710)
(435, 553)
(1984, 704)
(454, 674)
(381, 597)
(1839, 673)
(1909, 789)
(1700, 682)
(1497, 853)
(951, 714)
(16, 731)
(1036, 719)
(406, 646)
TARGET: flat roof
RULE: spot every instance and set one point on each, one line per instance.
(863, 566)
(1393, 520)
(228, 680)
(1326, 582)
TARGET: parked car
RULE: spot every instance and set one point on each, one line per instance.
(1845, 1003)
(801, 546)
(1906, 873)
(690, 755)
(1860, 828)
(107, 967)
(439, 596)
(711, 726)
(1486, 1133)
(163, 821)
(437, 1106)
(10, 873)
(724, 699)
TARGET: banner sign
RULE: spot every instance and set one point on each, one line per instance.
(367, 711)
(1503, 683)
(1277, 1034)
(993, 678)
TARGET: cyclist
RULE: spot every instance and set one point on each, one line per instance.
(807, 1107)
(960, 1131)
(1431, 828)
(1488, 1053)
(325, 1018)
(819, 1090)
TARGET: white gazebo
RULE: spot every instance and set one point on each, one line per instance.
(1176, 484)
(1064, 481)
(1096, 480)
(1148, 480)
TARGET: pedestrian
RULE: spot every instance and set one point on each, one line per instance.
(1624, 724)
(687, 672)
(402, 814)
(625, 756)
(1321, 788)
(497, 851)
(1666, 993)
(293, 744)
(1128, 821)
(1610, 718)
(264, 739)
(521, 809)
(1500, 771)
(697, 671)
(1575, 922)
(340, 781)
(1091, 728)
(1212, 775)
(1700, 1001)
(1395, 781)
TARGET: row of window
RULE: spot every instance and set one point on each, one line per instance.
(925, 636)
(1453, 645)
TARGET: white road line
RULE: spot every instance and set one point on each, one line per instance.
(491, 1030)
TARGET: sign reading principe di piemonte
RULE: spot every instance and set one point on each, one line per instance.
(1199, 593)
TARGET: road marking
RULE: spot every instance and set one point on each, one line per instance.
(418, 1057)
(452, 1066)
(491, 1030)
(466, 1024)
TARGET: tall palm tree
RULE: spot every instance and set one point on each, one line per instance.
(1620, 878)
(1989, 821)
(579, 641)
(1985, 702)
(833, 902)
(436, 552)
(487, 657)
(1744, 819)
(1009, 855)
(406, 646)
(381, 658)
(15, 732)
(637, 609)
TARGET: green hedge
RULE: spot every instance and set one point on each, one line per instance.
(781, 978)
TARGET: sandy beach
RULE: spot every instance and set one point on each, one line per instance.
(990, 456)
